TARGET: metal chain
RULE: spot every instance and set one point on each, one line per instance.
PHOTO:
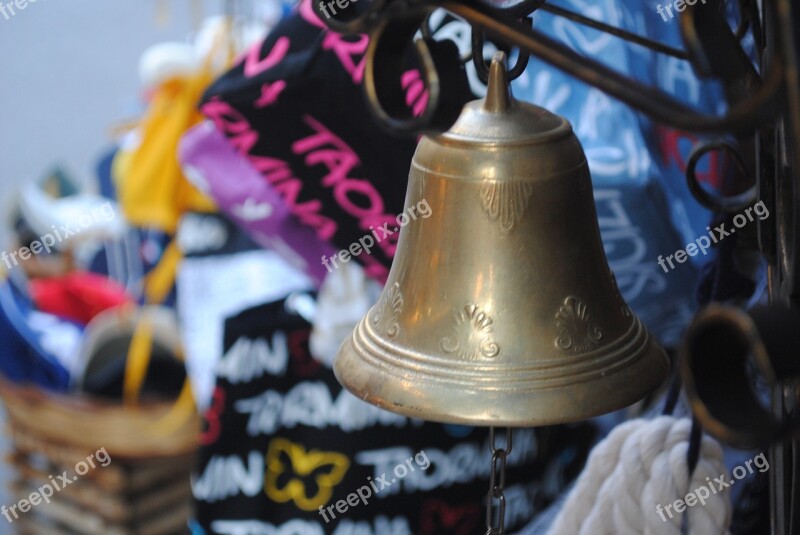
(497, 482)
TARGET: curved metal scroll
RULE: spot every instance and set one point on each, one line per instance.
(721, 350)
(441, 68)
(716, 203)
(500, 19)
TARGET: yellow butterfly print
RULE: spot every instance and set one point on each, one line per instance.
(325, 468)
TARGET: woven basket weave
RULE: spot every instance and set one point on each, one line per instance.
(86, 423)
(145, 487)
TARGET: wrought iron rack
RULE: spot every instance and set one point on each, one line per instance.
(762, 119)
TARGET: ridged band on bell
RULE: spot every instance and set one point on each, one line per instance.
(500, 308)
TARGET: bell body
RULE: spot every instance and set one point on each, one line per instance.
(500, 307)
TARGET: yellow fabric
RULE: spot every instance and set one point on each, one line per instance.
(120, 165)
(159, 282)
(137, 362)
(151, 187)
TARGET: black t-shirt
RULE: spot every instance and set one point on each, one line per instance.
(286, 450)
(293, 105)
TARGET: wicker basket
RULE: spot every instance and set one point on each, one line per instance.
(144, 489)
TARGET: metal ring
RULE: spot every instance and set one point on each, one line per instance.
(718, 203)
(744, 23)
(482, 68)
(425, 27)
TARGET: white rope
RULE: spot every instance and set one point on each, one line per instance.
(640, 465)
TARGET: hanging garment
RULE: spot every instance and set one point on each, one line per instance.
(645, 210)
(222, 273)
(151, 187)
(294, 106)
(65, 223)
(251, 202)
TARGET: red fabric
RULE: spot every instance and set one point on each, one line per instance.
(77, 296)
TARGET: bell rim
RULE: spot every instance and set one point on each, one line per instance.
(400, 362)
(520, 407)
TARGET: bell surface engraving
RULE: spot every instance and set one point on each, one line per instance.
(575, 330)
(472, 335)
(387, 311)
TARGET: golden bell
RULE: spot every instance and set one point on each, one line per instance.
(500, 308)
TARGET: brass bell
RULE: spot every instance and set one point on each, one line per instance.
(500, 308)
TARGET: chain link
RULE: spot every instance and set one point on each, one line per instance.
(482, 67)
(495, 499)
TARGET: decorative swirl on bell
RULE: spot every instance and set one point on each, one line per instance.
(500, 308)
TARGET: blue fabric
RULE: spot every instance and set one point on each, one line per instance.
(22, 358)
(644, 207)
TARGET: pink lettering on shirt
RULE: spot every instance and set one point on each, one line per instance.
(340, 160)
(242, 136)
(416, 94)
(254, 65)
(308, 14)
(346, 51)
(270, 93)
(358, 197)
(230, 121)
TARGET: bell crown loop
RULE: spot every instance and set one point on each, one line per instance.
(500, 118)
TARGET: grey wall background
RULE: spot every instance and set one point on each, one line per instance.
(69, 72)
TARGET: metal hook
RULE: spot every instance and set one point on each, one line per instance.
(478, 59)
